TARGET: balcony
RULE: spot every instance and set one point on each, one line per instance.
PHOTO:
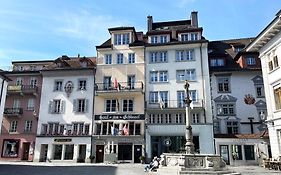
(16, 112)
(174, 104)
(105, 89)
(22, 90)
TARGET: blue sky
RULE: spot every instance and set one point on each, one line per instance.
(47, 29)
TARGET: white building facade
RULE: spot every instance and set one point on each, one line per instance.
(3, 91)
(65, 118)
(268, 44)
(175, 52)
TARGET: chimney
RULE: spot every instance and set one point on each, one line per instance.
(194, 19)
(149, 23)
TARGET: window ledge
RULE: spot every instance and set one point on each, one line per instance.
(273, 70)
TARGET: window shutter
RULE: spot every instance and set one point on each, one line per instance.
(86, 105)
(62, 107)
(74, 105)
(50, 107)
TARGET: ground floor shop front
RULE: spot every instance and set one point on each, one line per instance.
(18, 147)
(171, 139)
(118, 149)
(245, 150)
(71, 149)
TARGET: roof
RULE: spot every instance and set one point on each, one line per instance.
(157, 25)
(28, 62)
(269, 32)
(226, 49)
(121, 28)
(262, 135)
(66, 63)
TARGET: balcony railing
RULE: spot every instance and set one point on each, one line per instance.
(13, 111)
(174, 104)
(22, 89)
(120, 86)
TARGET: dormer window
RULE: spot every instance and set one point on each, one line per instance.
(216, 62)
(238, 49)
(154, 39)
(189, 36)
(193, 36)
(163, 39)
(251, 61)
(121, 39)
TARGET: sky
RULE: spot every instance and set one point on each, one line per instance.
(47, 29)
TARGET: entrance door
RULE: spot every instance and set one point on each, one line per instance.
(224, 153)
(125, 152)
(99, 153)
(43, 152)
(137, 153)
(25, 150)
(82, 153)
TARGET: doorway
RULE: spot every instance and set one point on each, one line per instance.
(43, 153)
(224, 153)
(81, 153)
(137, 153)
(25, 150)
(125, 152)
(99, 153)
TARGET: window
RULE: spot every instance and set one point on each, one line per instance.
(163, 39)
(10, 148)
(181, 97)
(216, 127)
(128, 105)
(193, 36)
(184, 37)
(238, 49)
(232, 127)
(249, 152)
(236, 152)
(56, 128)
(259, 91)
(179, 118)
(68, 154)
(30, 104)
(158, 57)
(121, 39)
(119, 58)
(193, 95)
(195, 118)
(32, 67)
(111, 105)
(19, 81)
(277, 97)
(164, 98)
(275, 61)
(251, 61)
(56, 106)
(51, 128)
(270, 65)
(58, 85)
(61, 126)
(131, 81)
(168, 118)
(153, 57)
(44, 129)
(223, 84)
(28, 126)
(87, 129)
(33, 81)
(153, 97)
(131, 58)
(154, 39)
(57, 152)
(138, 129)
(225, 109)
(106, 83)
(158, 76)
(81, 127)
(217, 62)
(82, 84)
(16, 103)
(183, 75)
(80, 105)
(13, 126)
(75, 128)
(163, 56)
(108, 59)
(184, 55)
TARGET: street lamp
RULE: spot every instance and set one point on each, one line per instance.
(189, 146)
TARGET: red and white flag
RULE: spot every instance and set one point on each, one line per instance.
(126, 130)
(115, 84)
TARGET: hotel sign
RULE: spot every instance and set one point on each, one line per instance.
(120, 117)
(62, 140)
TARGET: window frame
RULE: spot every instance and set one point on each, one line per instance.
(58, 85)
(108, 59)
(223, 84)
(119, 58)
(131, 58)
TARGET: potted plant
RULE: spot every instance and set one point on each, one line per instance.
(142, 159)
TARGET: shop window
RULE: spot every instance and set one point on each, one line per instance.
(68, 154)
(277, 96)
(237, 152)
(57, 152)
(10, 148)
(249, 152)
(138, 129)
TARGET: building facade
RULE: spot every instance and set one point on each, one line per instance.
(176, 51)
(119, 97)
(65, 117)
(238, 102)
(268, 45)
(3, 91)
(21, 111)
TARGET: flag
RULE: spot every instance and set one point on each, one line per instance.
(125, 130)
(114, 131)
(161, 103)
(115, 84)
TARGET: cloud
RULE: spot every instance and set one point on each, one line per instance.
(86, 26)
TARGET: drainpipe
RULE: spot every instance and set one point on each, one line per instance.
(201, 60)
(93, 114)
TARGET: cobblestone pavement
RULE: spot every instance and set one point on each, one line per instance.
(30, 168)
